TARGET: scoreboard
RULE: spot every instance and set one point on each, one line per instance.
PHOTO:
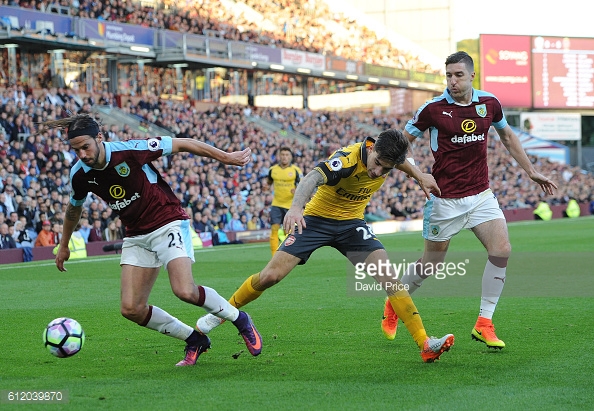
(563, 72)
(538, 72)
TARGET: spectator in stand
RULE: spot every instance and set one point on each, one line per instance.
(19, 95)
(111, 232)
(57, 231)
(24, 241)
(196, 221)
(85, 229)
(235, 224)
(6, 240)
(96, 233)
(7, 198)
(204, 226)
(21, 235)
(120, 228)
(254, 223)
(45, 237)
(13, 218)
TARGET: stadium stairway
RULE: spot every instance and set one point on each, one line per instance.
(371, 130)
(269, 128)
(113, 115)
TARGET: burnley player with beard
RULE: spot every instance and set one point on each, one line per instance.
(458, 122)
(157, 227)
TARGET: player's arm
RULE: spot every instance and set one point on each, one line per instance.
(188, 145)
(511, 141)
(303, 193)
(426, 181)
(71, 218)
(298, 178)
(267, 182)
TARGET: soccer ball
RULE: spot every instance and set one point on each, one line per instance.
(63, 337)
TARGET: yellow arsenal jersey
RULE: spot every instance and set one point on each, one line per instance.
(285, 180)
(347, 187)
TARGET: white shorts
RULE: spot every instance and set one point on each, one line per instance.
(159, 247)
(443, 218)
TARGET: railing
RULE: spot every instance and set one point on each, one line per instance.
(269, 127)
(112, 115)
(185, 46)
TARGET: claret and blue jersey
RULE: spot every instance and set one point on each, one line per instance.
(130, 185)
(459, 140)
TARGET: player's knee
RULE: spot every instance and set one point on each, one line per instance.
(269, 278)
(503, 250)
(133, 312)
(186, 294)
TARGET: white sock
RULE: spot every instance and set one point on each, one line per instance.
(412, 278)
(218, 306)
(493, 282)
(166, 324)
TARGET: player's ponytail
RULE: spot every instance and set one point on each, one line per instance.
(77, 125)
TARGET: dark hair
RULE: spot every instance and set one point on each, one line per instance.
(285, 148)
(392, 146)
(461, 57)
(77, 125)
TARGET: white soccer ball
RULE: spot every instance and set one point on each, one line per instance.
(63, 337)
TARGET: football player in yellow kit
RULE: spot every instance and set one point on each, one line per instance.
(334, 217)
(284, 177)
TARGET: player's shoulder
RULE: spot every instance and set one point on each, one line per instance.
(78, 171)
(152, 144)
(484, 97)
(129, 145)
(434, 103)
(345, 158)
(349, 150)
(484, 94)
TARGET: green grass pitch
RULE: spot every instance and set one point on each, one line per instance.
(323, 348)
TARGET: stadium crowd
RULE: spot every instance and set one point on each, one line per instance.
(35, 164)
(307, 25)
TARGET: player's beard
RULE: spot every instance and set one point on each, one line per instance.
(93, 163)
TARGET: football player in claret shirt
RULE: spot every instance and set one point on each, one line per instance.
(284, 176)
(157, 227)
(334, 217)
(458, 122)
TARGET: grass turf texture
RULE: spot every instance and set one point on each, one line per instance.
(322, 349)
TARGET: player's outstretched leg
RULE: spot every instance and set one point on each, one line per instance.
(434, 347)
(196, 345)
(484, 331)
(249, 333)
(245, 294)
(389, 321)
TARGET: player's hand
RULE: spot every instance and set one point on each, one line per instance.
(428, 185)
(293, 218)
(239, 158)
(62, 256)
(545, 183)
